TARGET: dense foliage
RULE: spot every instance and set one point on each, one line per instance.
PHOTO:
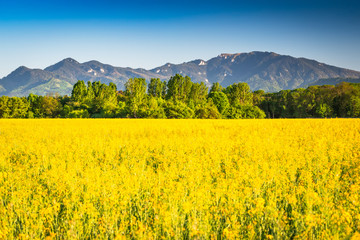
(342, 100)
(181, 98)
(179, 179)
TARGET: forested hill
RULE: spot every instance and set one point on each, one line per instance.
(268, 71)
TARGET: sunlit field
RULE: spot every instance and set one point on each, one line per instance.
(180, 179)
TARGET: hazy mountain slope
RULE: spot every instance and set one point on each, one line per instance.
(334, 81)
(54, 85)
(196, 70)
(72, 71)
(261, 70)
(2, 89)
(24, 78)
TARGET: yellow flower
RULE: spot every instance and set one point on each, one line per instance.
(152, 179)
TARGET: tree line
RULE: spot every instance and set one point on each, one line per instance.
(341, 100)
(179, 97)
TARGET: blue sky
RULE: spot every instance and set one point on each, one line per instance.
(148, 34)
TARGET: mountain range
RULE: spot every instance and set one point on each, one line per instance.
(261, 70)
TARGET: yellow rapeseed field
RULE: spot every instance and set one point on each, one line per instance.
(180, 179)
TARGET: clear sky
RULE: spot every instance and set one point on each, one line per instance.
(149, 33)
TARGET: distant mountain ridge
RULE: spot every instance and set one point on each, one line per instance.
(261, 70)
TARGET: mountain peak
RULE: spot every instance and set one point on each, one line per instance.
(224, 55)
(64, 64)
(70, 60)
(234, 55)
(93, 62)
(199, 62)
(22, 68)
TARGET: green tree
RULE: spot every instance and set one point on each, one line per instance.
(258, 97)
(239, 93)
(342, 100)
(136, 94)
(178, 88)
(79, 91)
(157, 88)
(101, 100)
(81, 113)
(36, 107)
(178, 110)
(355, 106)
(90, 94)
(198, 93)
(19, 107)
(220, 100)
(152, 109)
(207, 110)
(5, 110)
(216, 87)
(51, 106)
(323, 110)
(282, 99)
(245, 111)
(298, 103)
